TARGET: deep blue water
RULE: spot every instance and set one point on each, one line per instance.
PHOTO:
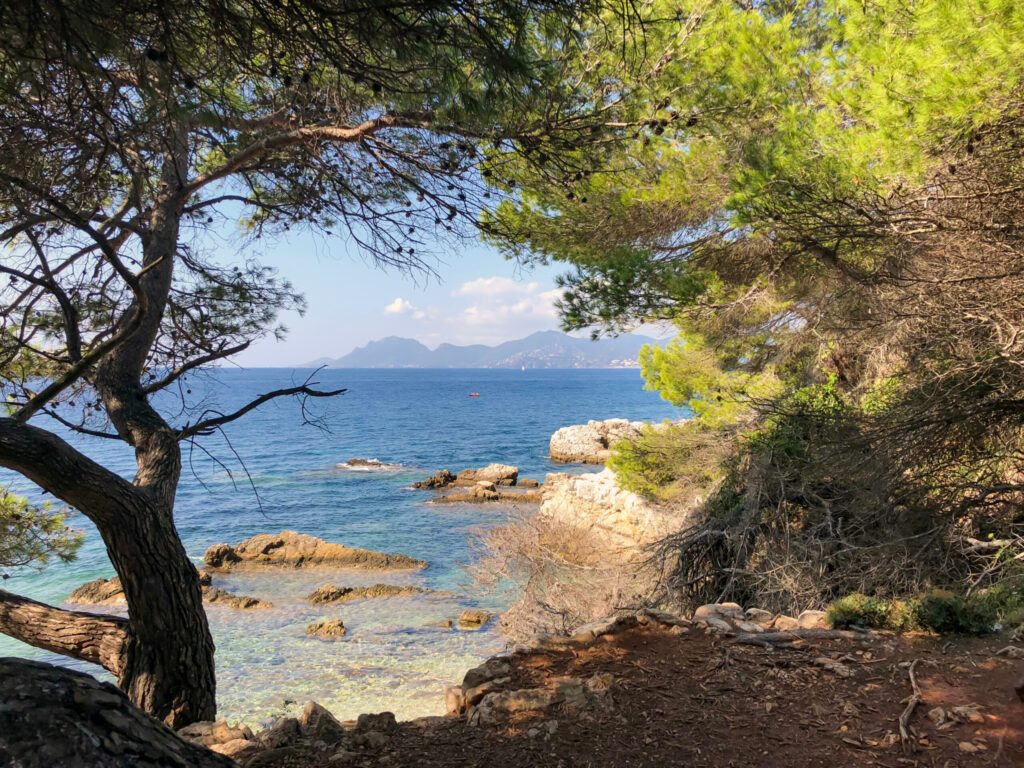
(420, 419)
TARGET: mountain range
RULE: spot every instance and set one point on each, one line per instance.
(544, 349)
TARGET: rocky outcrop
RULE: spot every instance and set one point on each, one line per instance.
(328, 629)
(496, 474)
(472, 620)
(328, 593)
(590, 443)
(110, 592)
(616, 523)
(289, 549)
(369, 465)
(55, 717)
(485, 491)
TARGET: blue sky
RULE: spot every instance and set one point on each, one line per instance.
(476, 297)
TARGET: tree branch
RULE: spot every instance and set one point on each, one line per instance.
(95, 638)
(208, 426)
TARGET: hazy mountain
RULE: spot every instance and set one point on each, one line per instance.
(544, 349)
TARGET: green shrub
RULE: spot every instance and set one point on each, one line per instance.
(945, 612)
(857, 610)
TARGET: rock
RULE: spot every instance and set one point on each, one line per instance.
(484, 492)
(454, 701)
(617, 525)
(319, 724)
(442, 624)
(835, 667)
(99, 592)
(968, 713)
(748, 626)
(725, 611)
(369, 465)
(590, 443)
(490, 670)
(328, 593)
(760, 617)
(208, 733)
(812, 620)
(496, 706)
(664, 617)
(609, 626)
(472, 620)
(440, 479)
(937, 715)
(295, 550)
(719, 624)
(328, 629)
(472, 696)
(283, 732)
(56, 717)
(236, 749)
(110, 592)
(785, 623)
(384, 722)
(529, 482)
(499, 474)
(223, 597)
(373, 741)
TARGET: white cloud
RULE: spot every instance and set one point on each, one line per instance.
(495, 286)
(399, 306)
(532, 309)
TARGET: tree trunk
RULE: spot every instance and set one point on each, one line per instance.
(169, 667)
(100, 639)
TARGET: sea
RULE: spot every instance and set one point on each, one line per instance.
(278, 469)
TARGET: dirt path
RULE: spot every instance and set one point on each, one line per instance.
(694, 700)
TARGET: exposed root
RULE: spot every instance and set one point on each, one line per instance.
(912, 703)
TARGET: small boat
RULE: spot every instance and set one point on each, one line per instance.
(474, 394)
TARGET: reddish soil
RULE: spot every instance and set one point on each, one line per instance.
(701, 700)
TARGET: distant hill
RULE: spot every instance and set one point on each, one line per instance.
(544, 349)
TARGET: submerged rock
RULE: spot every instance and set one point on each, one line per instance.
(471, 620)
(328, 593)
(110, 592)
(296, 550)
(369, 465)
(328, 629)
(590, 443)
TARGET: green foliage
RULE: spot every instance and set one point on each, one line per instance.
(31, 535)
(857, 610)
(948, 613)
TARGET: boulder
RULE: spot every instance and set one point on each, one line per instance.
(296, 550)
(499, 474)
(529, 482)
(328, 593)
(382, 722)
(473, 620)
(488, 491)
(99, 592)
(328, 629)
(785, 623)
(439, 479)
(760, 617)
(590, 443)
(236, 749)
(318, 724)
(812, 620)
(725, 611)
(56, 717)
(219, 596)
(282, 733)
(616, 524)
(491, 669)
(209, 732)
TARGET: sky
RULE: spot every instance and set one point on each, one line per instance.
(476, 296)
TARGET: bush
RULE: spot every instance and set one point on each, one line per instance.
(945, 612)
(857, 610)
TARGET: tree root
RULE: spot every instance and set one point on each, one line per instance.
(912, 703)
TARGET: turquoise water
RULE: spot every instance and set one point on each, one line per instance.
(421, 420)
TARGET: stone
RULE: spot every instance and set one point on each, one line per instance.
(529, 482)
(472, 696)
(373, 741)
(328, 593)
(835, 667)
(472, 620)
(491, 669)
(488, 492)
(499, 474)
(57, 717)
(496, 706)
(785, 623)
(968, 713)
(937, 715)
(812, 620)
(383, 722)
(441, 624)
(296, 550)
(748, 627)
(760, 617)
(728, 611)
(617, 525)
(99, 592)
(440, 479)
(283, 732)
(719, 624)
(217, 596)
(590, 443)
(608, 626)
(208, 733)
(317, 723)
(664, 617)
(454, 701)
(328, 629)
(236, 749)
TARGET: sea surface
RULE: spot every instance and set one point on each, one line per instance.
(277, 469)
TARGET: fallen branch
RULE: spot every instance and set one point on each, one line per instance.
(912, 703)
(768, 639)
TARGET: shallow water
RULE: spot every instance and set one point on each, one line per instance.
(421, 420)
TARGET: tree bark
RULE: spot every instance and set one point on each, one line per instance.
(92, 637)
